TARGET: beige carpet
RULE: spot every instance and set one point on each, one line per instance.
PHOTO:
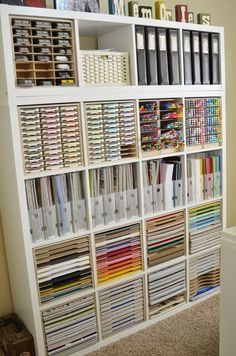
(194, 332)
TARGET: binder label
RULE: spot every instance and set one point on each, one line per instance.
(215, 46)
(140, 41)
(187, 48)
(195, 44)
(205, 48)
(162, 41)
(151, 42)
(174, 43)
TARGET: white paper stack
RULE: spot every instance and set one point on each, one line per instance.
(70, 327)
(167, 288)
(121, 307)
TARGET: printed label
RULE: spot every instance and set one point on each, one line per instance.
(162, 42)
(151, 42)
(140, 41)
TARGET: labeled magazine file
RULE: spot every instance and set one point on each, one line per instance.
(187, 58)
(35, 212)
(78, 205)
(151, 52)
(162, 57)
(141, 55)
(114, 195)
(215, 57)
(48, 208)
(63, 206)
(196, 64)
(173, 56)
(205, 58)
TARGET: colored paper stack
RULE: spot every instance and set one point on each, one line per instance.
(205, 225)
(70, 327)
(165, 238)
(118, 253)
(63, 269)
(204, 274)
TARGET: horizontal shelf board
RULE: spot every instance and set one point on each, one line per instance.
(204, 202)
(218, 148)
(53, 172)
(110, 19)
(59, 239)
(58, 94)
(205, 297)
(161, 155)
(66, 299)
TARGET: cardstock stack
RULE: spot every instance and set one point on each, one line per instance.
(203, 122)
(56, 205)
(63, 269)
(51, 137)
(204, 274)
(205, 225)
(204, 176)
(70, 327)
(118, 253)
(121, 307)
(167, 289)
(44, 52)
(111, 130)
(165, 238)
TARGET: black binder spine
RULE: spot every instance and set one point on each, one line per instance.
(196, 67)
(141, 55)
(205, 58)
(187, 58)
(173, 56)
(214, 58)
(151, 52)
(162, 59)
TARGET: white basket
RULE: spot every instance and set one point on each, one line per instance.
(105, 68)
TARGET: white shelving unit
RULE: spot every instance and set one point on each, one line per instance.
(109, 31)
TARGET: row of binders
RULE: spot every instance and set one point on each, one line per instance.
(204, 177)
(114, 194)
(203, 122)
(165, 238)
(56, 206)
(63, 269)
(51, 137)
(158, 56)
(118, 253)
(162, 184)
(167, 289)
(201, 52)
(70, 327)
(205, 225)
(204, 272)
(111, 130)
